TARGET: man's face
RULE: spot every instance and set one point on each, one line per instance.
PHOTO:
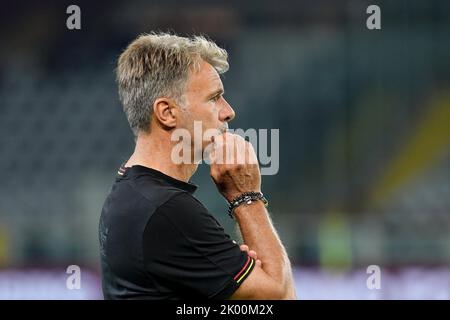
(205, 102)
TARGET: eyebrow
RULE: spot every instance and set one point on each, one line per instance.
(219, 91)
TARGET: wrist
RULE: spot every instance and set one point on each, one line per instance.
(229, 197)
(246, 199)
(245, 208)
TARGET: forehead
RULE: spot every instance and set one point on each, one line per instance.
(205, 79)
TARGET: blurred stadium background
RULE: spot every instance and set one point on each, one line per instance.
(364, 119)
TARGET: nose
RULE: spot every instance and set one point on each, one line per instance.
(226, 114)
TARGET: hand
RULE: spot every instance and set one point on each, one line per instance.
(251, 254)
(234, 166)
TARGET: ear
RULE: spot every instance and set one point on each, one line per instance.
(165, 112)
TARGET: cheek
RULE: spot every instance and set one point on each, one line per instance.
(209, 112)
(213, 117)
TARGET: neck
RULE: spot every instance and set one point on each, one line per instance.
(154, 151)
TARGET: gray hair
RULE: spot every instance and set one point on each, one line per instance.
(157, 65)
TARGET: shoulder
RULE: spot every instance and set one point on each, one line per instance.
(183, 207)
(185, 215)
(183, 200)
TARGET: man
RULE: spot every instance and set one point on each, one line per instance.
(157, 241)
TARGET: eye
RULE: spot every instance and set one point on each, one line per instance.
(216, 98)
